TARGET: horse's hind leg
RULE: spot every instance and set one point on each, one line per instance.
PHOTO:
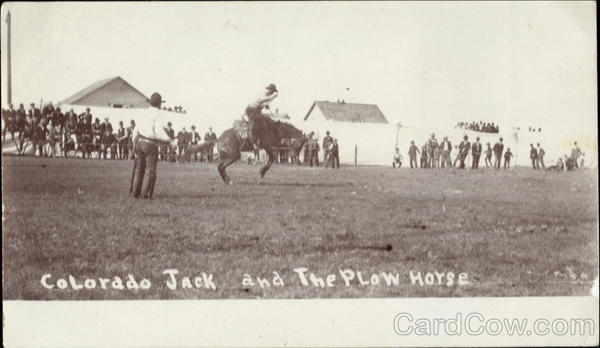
(223, 165)
(222, 172)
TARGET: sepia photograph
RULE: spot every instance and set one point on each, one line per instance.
(337, 153)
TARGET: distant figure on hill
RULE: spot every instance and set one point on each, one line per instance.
(507, 156)
(397, 159)
(463, 151)
(575, 154)
(476, 150)
(559, 166)
(533, 155)
(413, 150)
(498, 149)
(446, 149)
(540, 157)
(424, 163)
(488, 155)
(333, 157)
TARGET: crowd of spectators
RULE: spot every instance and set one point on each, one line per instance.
(309, 152)
(478, 127)
(435, 154)
(53, 133)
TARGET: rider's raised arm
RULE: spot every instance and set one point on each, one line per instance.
(267, 99)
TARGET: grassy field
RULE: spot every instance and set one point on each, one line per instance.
(514, 233)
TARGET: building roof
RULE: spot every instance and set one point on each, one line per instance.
(348, 112)
(117, 83)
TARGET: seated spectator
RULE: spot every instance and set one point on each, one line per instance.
(559, 166)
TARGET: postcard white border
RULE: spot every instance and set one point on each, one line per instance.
(270, 323)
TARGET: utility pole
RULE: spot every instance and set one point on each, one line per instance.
(8, 67)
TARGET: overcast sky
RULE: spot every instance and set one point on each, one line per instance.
(421, 62)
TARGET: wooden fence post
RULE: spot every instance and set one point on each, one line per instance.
(355, 155)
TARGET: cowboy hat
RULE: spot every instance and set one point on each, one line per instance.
(155, 99)
(272, 87)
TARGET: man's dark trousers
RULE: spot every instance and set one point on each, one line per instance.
(146, 159)
(413, 159)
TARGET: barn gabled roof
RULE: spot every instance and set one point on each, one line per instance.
(95, 87)
(348, 112)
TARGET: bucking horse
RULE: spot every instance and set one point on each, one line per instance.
(264, 132)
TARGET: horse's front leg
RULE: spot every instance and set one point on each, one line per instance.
(271, 159)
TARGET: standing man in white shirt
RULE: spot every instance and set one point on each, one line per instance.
(149, 134)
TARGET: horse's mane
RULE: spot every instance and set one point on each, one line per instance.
(283, 129)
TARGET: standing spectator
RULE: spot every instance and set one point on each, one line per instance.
(507, 157)
(446, 147)
(40, 134)
(9, 117)
(476, 152)
(413, 150)
(54, 137)
(424, 161)
(107, 126)
(334, 155)
(432, 146)
(313, 150)
(540, 153)
(210, 136)
(130, 131)
(307, 148)
(107, 138)
(34, 115)
(397, 159)
(575, 154)
(86, 116)
(488, 155)
(121, 137)
(21, 126)
(195, 138)
(59, 118)
(498, 149)
(327, 140)
(463, 151)
(182, 138)
(533, 156)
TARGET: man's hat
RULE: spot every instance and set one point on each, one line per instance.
(87, 109)
(193, 127)
(466, 137)
(169, 124)
(272, 87)
(477, 138)
(155, 100)
(501, 139)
